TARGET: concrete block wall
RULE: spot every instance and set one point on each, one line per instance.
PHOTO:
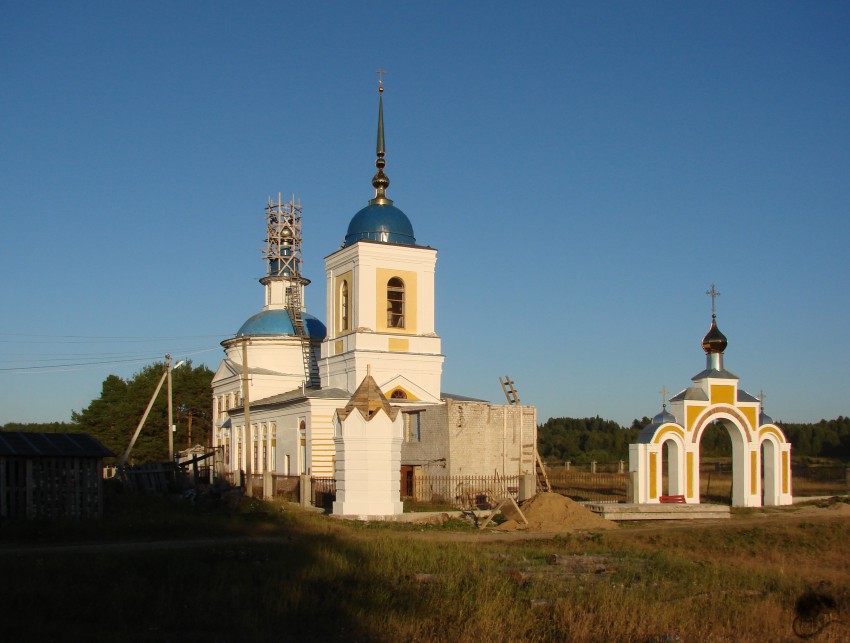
(485, 438)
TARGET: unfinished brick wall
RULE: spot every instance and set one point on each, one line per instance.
(475, 438)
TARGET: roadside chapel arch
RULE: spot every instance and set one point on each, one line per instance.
(761, 456)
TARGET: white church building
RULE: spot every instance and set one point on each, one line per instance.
(287, 382)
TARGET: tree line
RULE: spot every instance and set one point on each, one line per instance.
(112, 418)
(583, 440)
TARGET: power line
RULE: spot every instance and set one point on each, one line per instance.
(28, 338)
(67, 367)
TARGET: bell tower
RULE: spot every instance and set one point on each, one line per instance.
(380, 300)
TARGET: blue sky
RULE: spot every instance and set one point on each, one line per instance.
(585, 170)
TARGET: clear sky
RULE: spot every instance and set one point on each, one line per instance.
(585, 170)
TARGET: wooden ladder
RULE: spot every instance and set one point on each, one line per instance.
(510, 391)
(293, 307)
(542, 478)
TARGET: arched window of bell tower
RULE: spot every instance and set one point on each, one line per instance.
(344, 309)
(395, 303)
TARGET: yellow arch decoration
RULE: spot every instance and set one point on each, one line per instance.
(716, 409)
(772, 429)
(407, 394)
(668, 429)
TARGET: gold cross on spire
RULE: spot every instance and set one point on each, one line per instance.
(664, 393)
(380, 73)
(714, 294)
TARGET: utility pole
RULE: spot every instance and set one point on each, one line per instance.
(170, 411)
(249, 438)
(126, 455)
(165, 376)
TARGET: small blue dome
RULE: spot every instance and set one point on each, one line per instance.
(385, 223)
(277, 322)
(664, 417)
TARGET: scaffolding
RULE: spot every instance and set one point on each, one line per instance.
(283, 263)
(283, 239)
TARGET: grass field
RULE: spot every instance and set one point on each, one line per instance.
(164, 570)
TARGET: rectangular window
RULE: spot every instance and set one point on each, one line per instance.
(414, 427)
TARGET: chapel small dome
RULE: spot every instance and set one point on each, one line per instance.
(664, 417)
(714, 341)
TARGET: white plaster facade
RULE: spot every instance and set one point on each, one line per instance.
(358, 333)
(367, 439)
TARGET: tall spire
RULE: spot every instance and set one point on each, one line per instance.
(380, 181)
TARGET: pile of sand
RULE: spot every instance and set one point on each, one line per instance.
(554, 513)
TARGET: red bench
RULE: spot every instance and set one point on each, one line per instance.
(672, 499)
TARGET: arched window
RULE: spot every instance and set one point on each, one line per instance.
(343, 306)
(398, 394)
(395, 303)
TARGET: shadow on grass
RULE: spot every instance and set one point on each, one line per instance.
(304, 581)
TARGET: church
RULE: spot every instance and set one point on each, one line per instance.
(288, 380)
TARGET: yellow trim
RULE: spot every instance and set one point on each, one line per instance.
(398, 345)
(754, 471)
(666, 430)
(723, 394)
(652, 475)
(692, 415)
(337, 311)
(770, 429)
(689, 463)
(750, 413)
(410, 396)
(785, 476)
(382, 277)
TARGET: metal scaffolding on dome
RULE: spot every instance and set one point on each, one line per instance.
(283, 238)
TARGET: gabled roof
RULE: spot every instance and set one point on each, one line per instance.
(690, 393)
(51, 445)
(743, 396)
(368, 399)
(236, 369)
(298, 395)
(722, 374)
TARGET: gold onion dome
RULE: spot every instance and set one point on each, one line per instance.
(714, 341)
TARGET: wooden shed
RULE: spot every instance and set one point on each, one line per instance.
(50, 476)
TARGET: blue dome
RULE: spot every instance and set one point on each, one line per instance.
(384, 223)
(277, 322)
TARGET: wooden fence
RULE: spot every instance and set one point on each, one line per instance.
(50, 488)
(324, 491)
(590, 487)
(464, 492)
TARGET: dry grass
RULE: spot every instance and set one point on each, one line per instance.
(320, 579)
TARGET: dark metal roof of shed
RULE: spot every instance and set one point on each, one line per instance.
(51, 445)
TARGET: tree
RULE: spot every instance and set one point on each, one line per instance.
(114, 416)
